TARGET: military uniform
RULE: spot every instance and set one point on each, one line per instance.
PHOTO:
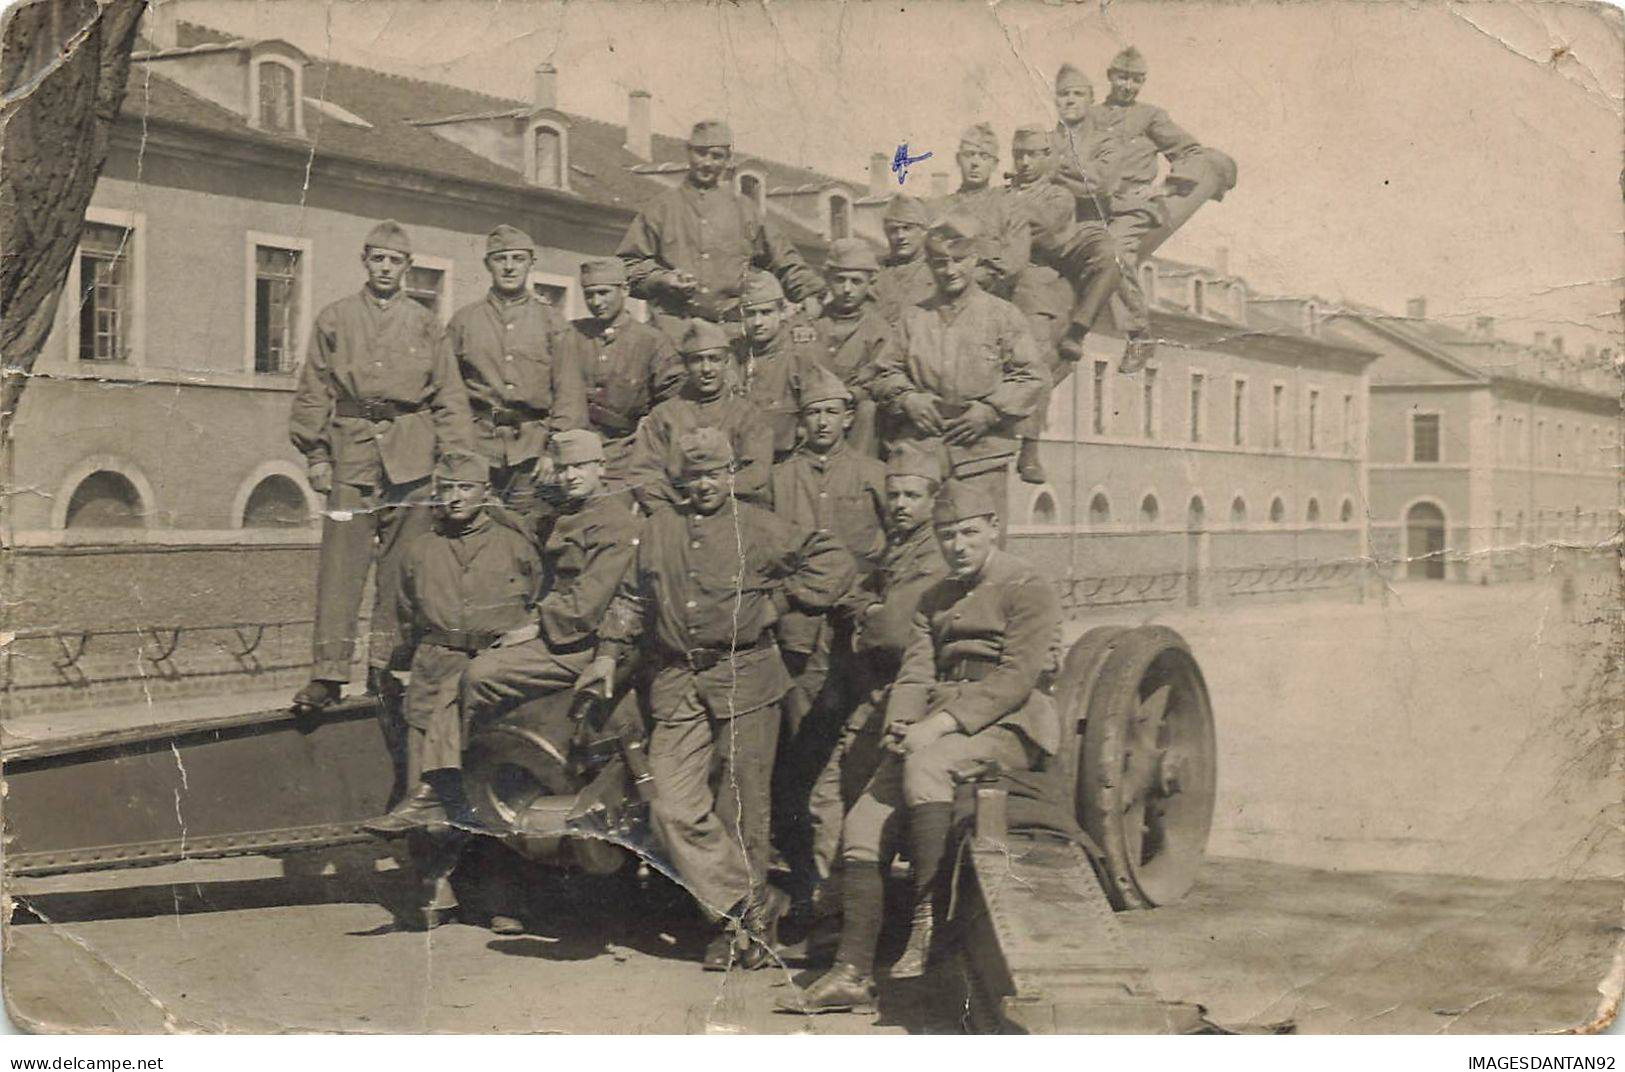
(629, 368)
(733, 414)
(768, 375)
(701, 598)
(376, 397)
(851, 345)
(1006, 242)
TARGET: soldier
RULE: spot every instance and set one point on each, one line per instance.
(970, 690)
(377, 396)
(827, 486)
(853, 334)
(904, 280)
(1073, 272)
(585, 555)
(628, 366)
(710, 577)
(1141, 131)
(773, 358)
(707, 399)
(965, 371)
(524, 381)
(689, 252)
(1005, 238)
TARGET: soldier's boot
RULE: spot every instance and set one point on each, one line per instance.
(841, 989)
(921, 929)
(1070, 348)
(929, 826)
(422, 809)
(1137, 351)
(1028, 467)
(316, 696)
(759, 935)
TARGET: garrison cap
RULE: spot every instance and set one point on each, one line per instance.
(702, 335)
(822, 386)
(710, 132)
(702, 450)
(1069, 74)
(957, 234)
(574, 446)
(905, 209)
(604, 272)
(508, 237)
(959, 501)
(387, 234)
(1129, 60)
(981, 138)
(851, 255)
(1031, 132)
(462, 468)
(907, 459)
(761, 288)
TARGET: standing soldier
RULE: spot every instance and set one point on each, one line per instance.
(707, 399)
(689, 252)
(709, 579)
(825, 486)
(773, 358)
(965, 371)
(904, 280)
(524, 381)
(377, 396)
(628, 366)
(1073, 272)
(853, 334)
(1141, 131)
(1005, 237)
(970, 689)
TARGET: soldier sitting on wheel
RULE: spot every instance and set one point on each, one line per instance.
(969, 691)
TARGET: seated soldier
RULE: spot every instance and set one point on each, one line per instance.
(706, 400)
(969, 691)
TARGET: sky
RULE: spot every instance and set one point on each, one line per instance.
(1466, 153)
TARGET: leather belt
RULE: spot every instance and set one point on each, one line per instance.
(460, 639)
(968, 668)
(613, 422)
(510, 415)
(374, 409)
(699, 659)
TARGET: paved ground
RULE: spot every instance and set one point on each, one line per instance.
(1417, 831)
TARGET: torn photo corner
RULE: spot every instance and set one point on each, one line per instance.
(812, 517)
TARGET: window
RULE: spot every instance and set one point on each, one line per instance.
(426, 286)
(752, 189)
(1348, 424)
(1520, 446)
(276, 307)
(1238, 413)
(276, 502)
(1044, 509)
(548, 157)
(1198, 298)
(1314, 421)
(1100, 509)
(1198, 383)
(1238, 511)
(1424, 437)
(1097, 418)
(1148, 402)
(1558, 445)
(1277, 510)
(1149, 510)
(840, 217)
(105, 500)
(1345, 513)
(277, 98)
(105, 292)
(1498, 434)
(1277, 414)
(1540, 444)
(1311, 512)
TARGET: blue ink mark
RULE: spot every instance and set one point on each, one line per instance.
(901, 161)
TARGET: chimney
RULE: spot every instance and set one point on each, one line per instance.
(1416, 308)
(1221, 260)
(939, 184)
(160, 28)
(1540, 340)
(879, 174)
(1484, 327)
(544, 93)
(639, 135)
(1557, 343)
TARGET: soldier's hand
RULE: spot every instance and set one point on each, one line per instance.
(921, 410)
(681, 281)
(519, 636)
(320, 475)
(599, 672)
(926, 732)
(971, 425)
(812, 307)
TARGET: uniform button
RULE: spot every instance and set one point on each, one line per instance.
(705, 256)
(823, 494)
(694, 544)
(691, 604)
(507, 357)
(510, 327)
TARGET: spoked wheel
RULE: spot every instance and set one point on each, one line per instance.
(1145, 765)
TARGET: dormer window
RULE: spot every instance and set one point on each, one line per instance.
(1311, 317)
(547, 156)
(840, 217)
(276, 96)
(1198, 298)
(753, 189)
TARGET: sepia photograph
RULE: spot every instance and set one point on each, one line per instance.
(811, 517)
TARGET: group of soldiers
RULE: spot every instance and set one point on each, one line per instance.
(782, 497)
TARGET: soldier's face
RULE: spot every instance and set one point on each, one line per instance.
(1073, 101)
(967, 543)
(604, 300)
(510, 269)
(707, 491)
(976, 168)
(908, 502)
(952, 274)
(847, 289)
(706, 164)
(824, 423)
(580, 481)
(905, 239)
(1125, 85)
(461, 499)
(762, 321)
(705, 370)
(1030, 161)
(385, 269)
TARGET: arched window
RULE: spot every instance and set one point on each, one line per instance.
(1277, 510)
(106, 500)
(840, 217)
(1196, 514)
(1238, 511)
(276, 502)
(1149, 510)
(1345, 513)
(1043, 512)
(1100, 509)
(549, 157)
(277, 98)
(753, 189)
(1311, 513)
